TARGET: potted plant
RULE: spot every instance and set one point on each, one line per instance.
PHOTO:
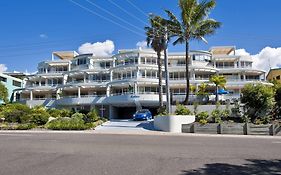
(173, 122)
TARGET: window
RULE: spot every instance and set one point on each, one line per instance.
(3, 79)
(16, 83)
(81, 61)
(278, 77)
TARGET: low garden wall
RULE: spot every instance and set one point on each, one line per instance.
(232, 128)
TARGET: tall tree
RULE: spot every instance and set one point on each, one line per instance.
(155, 39)
(195, 24)
(3, 93)
(219, 81)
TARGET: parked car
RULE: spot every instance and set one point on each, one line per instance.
(143, 114)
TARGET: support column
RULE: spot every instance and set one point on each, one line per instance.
(139, 59)
(111, 112)
(107, 91)
(79, 92)
(14, 96)
(193, 74)
(135, 88)
(65, 79)
(40, 81)
(111, 75)
(31, 95)
(85, 77)
(57, 94)
(244, 77)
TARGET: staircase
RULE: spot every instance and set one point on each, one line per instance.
(49, 103)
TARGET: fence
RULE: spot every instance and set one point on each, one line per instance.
(232, 128)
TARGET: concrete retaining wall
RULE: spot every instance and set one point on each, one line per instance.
(233, 128)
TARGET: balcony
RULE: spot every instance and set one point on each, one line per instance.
(83, 100)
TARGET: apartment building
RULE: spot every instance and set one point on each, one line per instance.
(11, 83)
(117, 85)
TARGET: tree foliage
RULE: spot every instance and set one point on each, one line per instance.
(219, 81)
(258, 101)
(194, 24)
(3, 93)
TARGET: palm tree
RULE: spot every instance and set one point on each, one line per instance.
(219, 81)
(195, 24)
(156, 40)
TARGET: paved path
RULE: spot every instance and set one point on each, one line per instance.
(29, 153)
(125, 126)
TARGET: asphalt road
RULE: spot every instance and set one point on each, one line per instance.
(95, 154)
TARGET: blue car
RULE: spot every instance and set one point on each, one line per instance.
(143, 114)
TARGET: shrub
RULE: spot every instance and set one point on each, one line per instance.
(225, 114)
(216, 116)
(202, 117)
(92, 116)
(161, 111)
(15, 112)
(66, 123)
(26, 126)
(276, 113)
(195, 108)
(39, 115)
(13, 126)
(78, 115)
(182, 110)
(56, 113)
(39, 118)
(65, 113)
(258, 100)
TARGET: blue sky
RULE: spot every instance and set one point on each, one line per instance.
(32, 29)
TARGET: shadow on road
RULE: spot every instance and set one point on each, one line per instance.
(147, 125)
(257, 167)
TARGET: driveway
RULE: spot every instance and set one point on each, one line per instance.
(125, 126)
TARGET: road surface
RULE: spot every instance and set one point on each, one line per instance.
(119, 154)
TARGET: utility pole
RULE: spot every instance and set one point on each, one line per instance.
(168, 99)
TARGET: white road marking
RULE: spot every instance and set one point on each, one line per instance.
(17, 135)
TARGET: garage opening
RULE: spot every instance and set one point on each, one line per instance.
(128, 112)
(125, 112)
(153, 110)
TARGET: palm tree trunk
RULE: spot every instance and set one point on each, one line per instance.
(159, 62)
(217, 96)
(187, 71)
(168, 99)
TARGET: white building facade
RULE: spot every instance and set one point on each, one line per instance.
(119, 84)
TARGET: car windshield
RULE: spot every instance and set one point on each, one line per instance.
(143, 111)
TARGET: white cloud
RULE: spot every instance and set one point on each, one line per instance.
(242, 52)
(141, 44)
(3, 68)
(266, 58)
(98, 49)
(44, 36)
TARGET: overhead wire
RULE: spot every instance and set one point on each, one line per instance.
(127, 12)
(113, 15)
(137, 8)
(105, 18)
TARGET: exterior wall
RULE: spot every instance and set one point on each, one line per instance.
(274, 74)
(9, 83)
